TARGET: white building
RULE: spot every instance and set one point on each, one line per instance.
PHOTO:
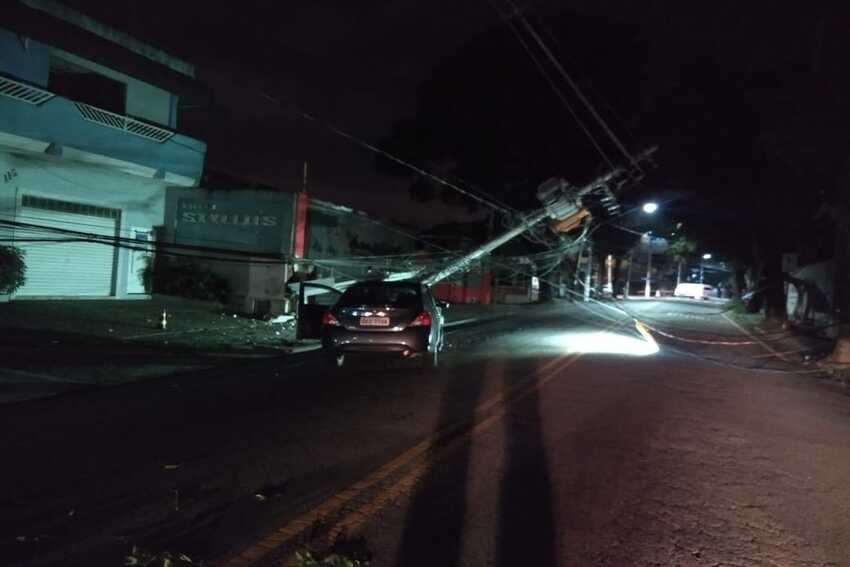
(88, 145)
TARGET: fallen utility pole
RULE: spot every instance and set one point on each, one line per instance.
(562, 204)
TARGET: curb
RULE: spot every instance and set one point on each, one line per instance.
(451, 324)
(836, 372)
(752, 336)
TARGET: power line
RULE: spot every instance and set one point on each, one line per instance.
(547, 76)
(557, 64)
(375, 149)
(133, 244)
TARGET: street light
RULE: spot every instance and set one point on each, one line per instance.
(706, 256)
(647, 292)
(650, 207)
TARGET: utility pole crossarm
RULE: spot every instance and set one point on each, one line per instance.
(562, 203)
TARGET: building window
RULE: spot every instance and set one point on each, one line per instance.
(84, 85)
(66, 207)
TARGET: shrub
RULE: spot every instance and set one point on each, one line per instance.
(184, 278)
(12, 269)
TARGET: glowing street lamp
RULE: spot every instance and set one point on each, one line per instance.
(705, 256)
(650, 207)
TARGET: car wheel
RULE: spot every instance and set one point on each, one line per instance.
(427, 360)
(335, 360)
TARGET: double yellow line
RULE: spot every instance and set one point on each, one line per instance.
(351, 515)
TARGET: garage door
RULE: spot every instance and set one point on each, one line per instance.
(66, 269)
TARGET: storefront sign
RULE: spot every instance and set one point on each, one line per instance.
(236, 222)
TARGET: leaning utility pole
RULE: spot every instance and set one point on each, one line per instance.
(587, 272)
(562, 204)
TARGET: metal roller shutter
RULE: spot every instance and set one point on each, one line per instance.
(66, 269)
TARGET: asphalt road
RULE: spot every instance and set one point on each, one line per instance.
(560, 436)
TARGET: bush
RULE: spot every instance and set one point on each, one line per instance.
(12, 269)
(184, 278)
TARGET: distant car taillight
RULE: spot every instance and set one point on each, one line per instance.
(329, 319)
(422, 320)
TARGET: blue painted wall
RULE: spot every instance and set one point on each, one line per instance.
(59, 122)
(172, 117)
(24, 59)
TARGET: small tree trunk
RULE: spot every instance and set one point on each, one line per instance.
(679, 272)
(618, 264)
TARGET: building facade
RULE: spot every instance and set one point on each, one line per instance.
(345, 244)
(88, 146)
(244, 235)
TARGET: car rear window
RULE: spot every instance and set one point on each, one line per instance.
(382, 293)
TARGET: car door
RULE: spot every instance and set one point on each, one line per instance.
(313, 300)
(430, 303)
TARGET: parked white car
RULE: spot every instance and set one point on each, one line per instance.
(695, 290)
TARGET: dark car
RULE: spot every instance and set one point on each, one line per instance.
(384, 318)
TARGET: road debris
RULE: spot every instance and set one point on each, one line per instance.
(282, 320)
(139, 556)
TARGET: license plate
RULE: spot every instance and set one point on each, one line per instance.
(374, 321)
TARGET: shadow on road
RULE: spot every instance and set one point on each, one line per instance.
(434, 531)
(526, 519)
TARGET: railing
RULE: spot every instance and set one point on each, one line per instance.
(124, 123)
(24, 92)
(36, 96)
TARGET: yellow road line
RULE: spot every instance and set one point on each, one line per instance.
(338, 501)
(405, 484)
(356, 518)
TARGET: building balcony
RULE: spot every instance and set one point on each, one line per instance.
(81, 131)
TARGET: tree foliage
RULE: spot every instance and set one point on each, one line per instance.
(12, 269)
(183, 278)
(681, 247)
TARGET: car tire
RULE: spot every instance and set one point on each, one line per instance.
(334, 361)
(427, 360)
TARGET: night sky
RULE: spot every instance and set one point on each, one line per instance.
(746, 100)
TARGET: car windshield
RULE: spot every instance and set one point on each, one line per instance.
(382, 293)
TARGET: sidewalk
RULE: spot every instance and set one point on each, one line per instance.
(190, 325)
(53, 347)
(791, 346)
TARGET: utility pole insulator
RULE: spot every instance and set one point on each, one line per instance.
(562, 203)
